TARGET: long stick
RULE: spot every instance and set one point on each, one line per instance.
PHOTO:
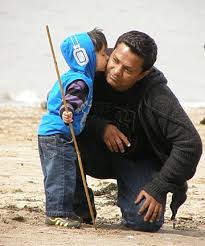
(72, 132)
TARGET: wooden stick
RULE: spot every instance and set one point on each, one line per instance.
(72, 132)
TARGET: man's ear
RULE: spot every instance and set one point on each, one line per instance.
(143, 74)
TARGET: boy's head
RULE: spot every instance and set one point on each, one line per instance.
(100, 44)
(85, 52)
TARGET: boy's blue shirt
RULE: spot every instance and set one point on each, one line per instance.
(82, 67)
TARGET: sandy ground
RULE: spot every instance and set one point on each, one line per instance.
(22, 196)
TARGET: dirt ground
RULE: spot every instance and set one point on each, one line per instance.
(22, 196)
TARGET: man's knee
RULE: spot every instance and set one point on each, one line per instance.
(143, 225)
(135, 221)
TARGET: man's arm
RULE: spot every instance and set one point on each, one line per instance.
(177, 129)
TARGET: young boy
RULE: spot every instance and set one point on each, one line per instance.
(85, 53)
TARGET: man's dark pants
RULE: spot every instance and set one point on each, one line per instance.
(131, 176)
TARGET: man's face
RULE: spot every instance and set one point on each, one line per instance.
(124, 68)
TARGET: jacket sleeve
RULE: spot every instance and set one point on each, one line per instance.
(75, 96)
(177, 130)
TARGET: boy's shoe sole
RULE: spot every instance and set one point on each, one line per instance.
(63, 222)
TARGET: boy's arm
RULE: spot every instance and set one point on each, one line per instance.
(75, 96)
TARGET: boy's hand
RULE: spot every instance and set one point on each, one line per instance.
(67, 117)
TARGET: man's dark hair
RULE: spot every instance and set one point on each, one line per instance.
(142, 45)
(98, 38)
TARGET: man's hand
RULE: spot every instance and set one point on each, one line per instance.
(151, 207)
(115, 139)
(67, 117)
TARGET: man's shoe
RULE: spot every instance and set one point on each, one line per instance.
(73, 221)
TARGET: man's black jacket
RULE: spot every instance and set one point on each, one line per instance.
(152, 118)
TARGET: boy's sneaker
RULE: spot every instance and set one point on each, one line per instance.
(73, 221)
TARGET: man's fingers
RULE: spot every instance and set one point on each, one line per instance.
(139, 197)
(119, 145)
(153, 213)
(124, 139)
(159, 213)
(149, 212)
(144, 207)
(109, 145)
(115, 147)
(126, 142)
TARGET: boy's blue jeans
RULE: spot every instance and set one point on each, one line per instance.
(58, 157)
(131, 176)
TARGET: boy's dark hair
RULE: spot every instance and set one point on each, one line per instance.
(98, 38)
(142, 45)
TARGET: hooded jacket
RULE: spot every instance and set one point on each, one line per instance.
(79, 53)
(151, 117)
